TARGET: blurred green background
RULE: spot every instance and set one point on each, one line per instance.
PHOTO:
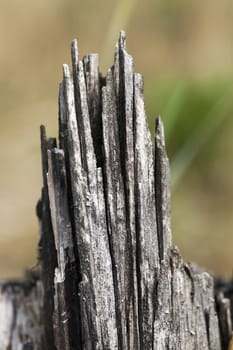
(184, 49)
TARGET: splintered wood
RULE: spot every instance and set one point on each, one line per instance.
(110, 274)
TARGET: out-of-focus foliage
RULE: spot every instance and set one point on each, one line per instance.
(193, 112)
(183, 49)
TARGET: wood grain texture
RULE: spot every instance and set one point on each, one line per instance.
(21, 315)
(110, 277)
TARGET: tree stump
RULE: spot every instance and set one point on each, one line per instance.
(109, 276)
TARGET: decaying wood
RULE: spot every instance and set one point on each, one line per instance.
(21, 323)
(110, 275)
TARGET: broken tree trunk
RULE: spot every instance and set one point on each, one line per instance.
(109, 276)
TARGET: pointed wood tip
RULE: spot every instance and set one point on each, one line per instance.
(159, 133)
(43, 136)
(74, 45)
(66, 71)
(74, 53)
(122, 40)
(42, 129)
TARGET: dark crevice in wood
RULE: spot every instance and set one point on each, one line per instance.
(190, 276)
(224, 315)
(171, 287)
(155, 305)
(120, 69)
(207, 324)
(94, 88)
(138, 263)
(225, 286)
(158, 188)
(47, 250)
(67, 313)
(137, 231)
(158, 204)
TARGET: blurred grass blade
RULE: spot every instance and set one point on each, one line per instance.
(172, 110)
(118, 22)
(211, 122)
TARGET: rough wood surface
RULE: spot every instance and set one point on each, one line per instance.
(110, 275)
(21, 322)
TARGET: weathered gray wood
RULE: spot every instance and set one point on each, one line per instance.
(65, 315)
(124, 67)
(47, 251)
(162, 188)
(186, 316)
(115, 207)
(93, 85)
(21, 321)
(146, 230)
(225, 319)
(96, 288)
(110, 275)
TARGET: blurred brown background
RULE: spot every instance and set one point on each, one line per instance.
(183, 48)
